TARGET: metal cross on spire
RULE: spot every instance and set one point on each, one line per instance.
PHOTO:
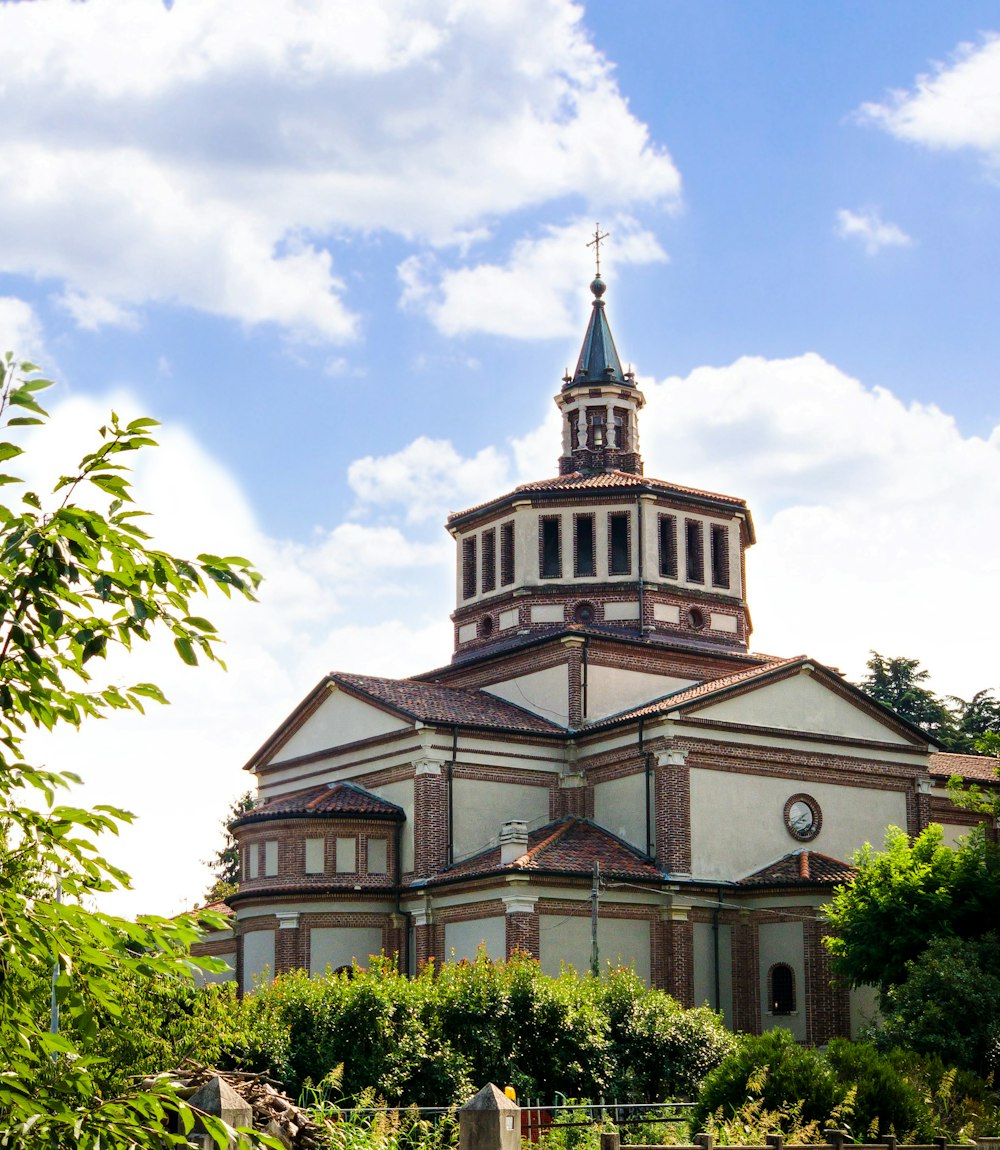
(595, 243)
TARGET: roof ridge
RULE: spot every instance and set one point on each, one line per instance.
(562, 826)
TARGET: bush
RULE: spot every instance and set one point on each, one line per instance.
(793, 1082)
(436, 1039)
(884, 1100)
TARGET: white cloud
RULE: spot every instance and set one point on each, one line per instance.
(535, 294)
(92, 312)
(428, 479)
(957, 105)
(873, 524)
(219, 150)
(20, 329)
(871, 230)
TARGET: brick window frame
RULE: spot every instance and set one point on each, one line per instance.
(507, 553)
(488, 573)
(667, 542)
(720, 555)
(586, 521)
(615, 548)
(469, 567)
(694, 550)
(550, 547)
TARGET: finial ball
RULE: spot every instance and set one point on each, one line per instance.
(598, 286)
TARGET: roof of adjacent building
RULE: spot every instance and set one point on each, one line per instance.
(801, 868)
(333, 800)
(973, 768)
(568, 846)
(432, 703)
(611, 480)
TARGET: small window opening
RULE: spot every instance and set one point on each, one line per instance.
(782, 989)
(506, 554)
(488, 575)
(551, 556)
(486, 627)
(585, 559)
(469, 567)
(668, 546)
(694, 540)
(720, 556)
(696, 617)
(585, 613)
(597, 432)
(620, 560)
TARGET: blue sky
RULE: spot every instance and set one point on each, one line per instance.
(340, 251)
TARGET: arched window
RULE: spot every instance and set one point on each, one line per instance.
(781, 989)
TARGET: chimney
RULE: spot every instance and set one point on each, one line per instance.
(513, 841)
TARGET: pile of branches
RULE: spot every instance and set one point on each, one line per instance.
(274, 1112)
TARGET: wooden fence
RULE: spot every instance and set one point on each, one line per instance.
(836, 1140)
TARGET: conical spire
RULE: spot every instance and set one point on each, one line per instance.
(598, 362)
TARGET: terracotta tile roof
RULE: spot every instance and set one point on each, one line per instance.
(343, 800)
(431, 703)
(603, 481)
(570, 845)
(801, 868)
(974, 768)
(701, 690)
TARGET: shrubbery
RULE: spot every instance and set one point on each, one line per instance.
(772, 1081)
(437, 1038)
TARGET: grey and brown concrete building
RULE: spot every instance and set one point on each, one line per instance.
(603, 725)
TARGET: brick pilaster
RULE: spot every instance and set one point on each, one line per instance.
(289, 944)
(430, 818)
(574, 682)
(828, 1008)
(675, 954)
(673, 812)
(522, 926)
(429, 942)
(746, 977)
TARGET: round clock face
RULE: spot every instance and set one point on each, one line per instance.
(802, 817)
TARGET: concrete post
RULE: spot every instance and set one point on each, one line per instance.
(220, 1100)
(489, 1121)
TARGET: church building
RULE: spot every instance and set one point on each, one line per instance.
(604, 772)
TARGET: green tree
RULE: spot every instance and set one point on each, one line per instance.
(898, 683)
(949, 1003)
(905, 895)
(78, 579)
(226, 862)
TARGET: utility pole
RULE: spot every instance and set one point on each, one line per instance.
(595, 888)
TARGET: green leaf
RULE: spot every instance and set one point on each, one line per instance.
(186, 651)
(9, 451)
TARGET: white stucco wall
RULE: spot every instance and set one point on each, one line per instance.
(401, 794)
(335, 946)
(480, 808)
(620, 942)
(801, 703)
(782, 942)
(864, 1008)
(737, 821)
(258, 957)
(463, 939)
(704, 968)
(546, 693)
(339, 719)
(620, 805)
(613, 689)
